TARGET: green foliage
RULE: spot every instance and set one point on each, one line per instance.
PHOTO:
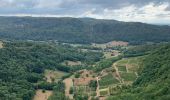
(93, 84)
(22, 66)
(80, 30)
(106, 63)
(128, 76)
(104, 92)
(122, 68)
(140, 50)
(58, 92)
(81, 97)
(154, 80)
(45, 85)
(108, 80)
(71, 90)
(77, 75)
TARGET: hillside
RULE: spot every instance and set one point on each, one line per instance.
(23, 64)
(81, 30)
(154, 78)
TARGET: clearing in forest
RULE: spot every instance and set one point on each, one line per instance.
(71, 63)
(51, 76)
(55, 76)
(41, 95)
(111, 44)
(68, 84)
(111, 53)
(1, 44)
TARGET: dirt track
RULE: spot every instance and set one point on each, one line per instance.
(68, 84)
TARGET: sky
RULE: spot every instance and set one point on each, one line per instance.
(148, 11)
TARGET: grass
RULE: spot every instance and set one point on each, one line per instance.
(122, 62)
(107, 55)
(128, 76)
(103, 92)
(122, 68)
(56, 75)
(108, 80)
(84, 90)
(131, 63)
(114, 90)
(71, 63)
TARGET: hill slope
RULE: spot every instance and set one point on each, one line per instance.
(80, 30)
(154, 80)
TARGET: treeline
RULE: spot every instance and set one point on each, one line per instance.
(140, 50)
(59, 92)
(81, 30)
(22, 65)
(154, 78)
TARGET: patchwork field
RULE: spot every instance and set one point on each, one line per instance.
(129, 64)
(128, 76)
(123, 72)
(107, 80)
(111, 44)
(128, 68)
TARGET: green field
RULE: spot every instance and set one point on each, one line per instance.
(114, 89)
(131, 63)
(103, 92)
(108, 80)
(122, 68)
(56, 75)
(128, 76)
(82, 90)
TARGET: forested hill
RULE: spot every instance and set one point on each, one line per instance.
(154, 80)
(80, 30)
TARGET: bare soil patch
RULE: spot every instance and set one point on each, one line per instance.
(42, 96)
(117, 43)
(111, 44)
(1, 44)
(68, 84)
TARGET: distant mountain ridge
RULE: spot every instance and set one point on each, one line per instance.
(81, 30)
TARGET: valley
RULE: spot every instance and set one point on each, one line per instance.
(77, 63)
(91, 84)
(75, 71)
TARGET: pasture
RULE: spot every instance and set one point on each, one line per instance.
(54, 76)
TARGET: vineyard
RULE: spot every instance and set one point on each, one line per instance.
(108, 80)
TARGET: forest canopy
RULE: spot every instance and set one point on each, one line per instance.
(81, 30)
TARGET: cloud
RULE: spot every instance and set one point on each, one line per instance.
(152, 11)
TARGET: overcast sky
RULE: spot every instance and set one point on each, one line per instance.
(150, 11)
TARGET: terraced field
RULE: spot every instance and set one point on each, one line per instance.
(125, 73)
(107, 80)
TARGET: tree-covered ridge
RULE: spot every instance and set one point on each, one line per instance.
(154, 80)
(22, 65)
(81, 30)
